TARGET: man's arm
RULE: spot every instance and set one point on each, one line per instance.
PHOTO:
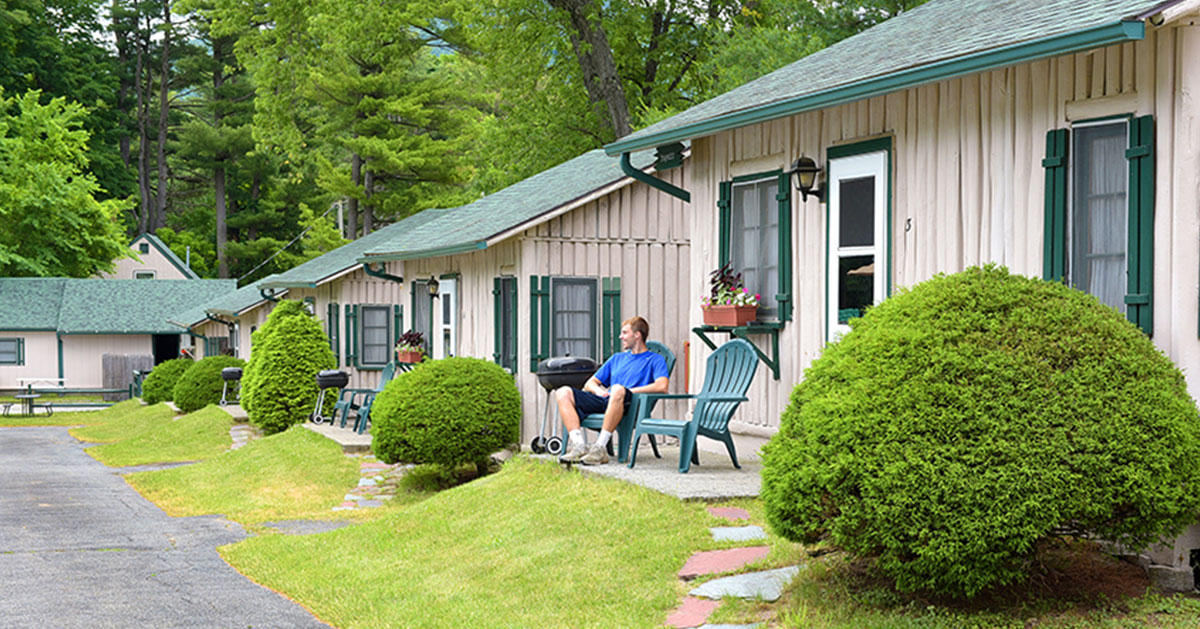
(658, 386)
(593, 386)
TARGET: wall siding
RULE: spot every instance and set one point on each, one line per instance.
(82, 355)
(41, 359)
(967, 173)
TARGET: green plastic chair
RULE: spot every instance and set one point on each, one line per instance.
(624, 431)
(350, 400)
(728, 374)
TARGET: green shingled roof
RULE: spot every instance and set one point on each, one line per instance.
(94, 306)
(935, 41)
(469, 227)
(321, 268)
(227, 304)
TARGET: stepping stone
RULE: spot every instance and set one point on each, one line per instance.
(351, 497)
(730, 513)
(692, 612)
(715, 561)
(766, 585)
(371, 503)
(737, 533)
(375, 466)
(367, 482)
(750, 626)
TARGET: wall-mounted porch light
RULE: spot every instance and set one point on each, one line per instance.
(432, 285)
(804, 172)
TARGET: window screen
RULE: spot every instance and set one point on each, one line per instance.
(573, 312)
(1099, 212)
(10, 351)
(376, 342)
(754, 240)
(422, 313)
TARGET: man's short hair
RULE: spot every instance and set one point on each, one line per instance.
(638, 324)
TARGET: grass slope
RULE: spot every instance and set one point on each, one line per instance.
(531, 546)
(69, 418)
(200, 435)
(294, 474)
(123, 422)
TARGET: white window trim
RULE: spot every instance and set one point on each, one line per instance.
(1071, 155)
(447, 290)
(597, 304)
(852, 167)
(362, 331)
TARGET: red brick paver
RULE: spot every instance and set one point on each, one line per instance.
(716, 561)
(733, 514)
(693, 612)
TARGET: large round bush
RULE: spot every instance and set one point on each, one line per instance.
(446, 412)
(159, 386)
(283, 389)
(963, 422)
(284, 309)
(201, 384)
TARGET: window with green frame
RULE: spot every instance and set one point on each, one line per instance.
(1099, 212)
(580, 316)
(12, 351)
(376, 341)
(755, 236)
(332, 320)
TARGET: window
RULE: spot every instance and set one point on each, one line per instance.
(144, 247)
(1099, 212)
(144, 275)
(858, 212)
(331, 329)
(573, 317)
(216, 346)
(12, 351)
(376, 340)
(422, 313)
(504, 293)
(446, 330)
(755, 237)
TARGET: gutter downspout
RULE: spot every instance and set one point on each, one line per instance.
(58, 336)
(380, 273)
(262, 292)
(653, 182)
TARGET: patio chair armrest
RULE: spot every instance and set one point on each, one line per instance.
(725, 397)
(666, 396)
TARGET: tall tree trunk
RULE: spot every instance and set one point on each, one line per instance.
(164, 80)
(219, 199)
(352, 206)
(368, 208)
(141, 86)
(255, 188)
(600, 78)
(219, 193)
(122, 40)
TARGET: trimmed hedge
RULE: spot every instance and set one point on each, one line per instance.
(284, 309)
(283, 390)
(159, 385)
(201, 384)
(446, 412)
(964, 422)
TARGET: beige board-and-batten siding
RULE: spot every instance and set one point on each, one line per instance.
(81, 355)
(967, 171)
(41, 359)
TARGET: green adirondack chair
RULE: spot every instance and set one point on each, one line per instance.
(361, 399)
(624, 430)
(728, 374)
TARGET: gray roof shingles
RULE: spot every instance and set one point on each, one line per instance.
(94, 306)
(935, 32)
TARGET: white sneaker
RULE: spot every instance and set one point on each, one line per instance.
(574, 453)
(596, 455)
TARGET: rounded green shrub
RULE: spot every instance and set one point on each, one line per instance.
(284, 309)
(283, 390)
(201, 384)
(961, 424)
(446, 412)
(159, 386)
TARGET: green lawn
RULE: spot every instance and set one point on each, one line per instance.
(294, 474)
(70, 418)
(531, 546)
(200, 435)
(124, 421)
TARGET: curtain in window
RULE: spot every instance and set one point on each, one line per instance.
(375, 350)
(1100, 220)
(422, 313)
(9, 352)
(754, 239)
(574, 309)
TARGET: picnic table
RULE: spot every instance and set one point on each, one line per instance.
(26, 400)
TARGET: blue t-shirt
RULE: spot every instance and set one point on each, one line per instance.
(632, 370)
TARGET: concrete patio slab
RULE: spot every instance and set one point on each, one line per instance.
(350, 441)
(714, 479)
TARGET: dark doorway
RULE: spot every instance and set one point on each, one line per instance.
(166, 347)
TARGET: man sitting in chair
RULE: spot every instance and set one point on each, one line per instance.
(635, 370)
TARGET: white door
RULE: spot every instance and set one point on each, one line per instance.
(858, 257)
(445, 322)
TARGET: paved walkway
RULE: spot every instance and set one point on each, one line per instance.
(80, 548)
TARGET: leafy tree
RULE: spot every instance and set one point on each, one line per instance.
(54, 225)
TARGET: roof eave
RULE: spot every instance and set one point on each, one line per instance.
(448, 250)
(1076, 41)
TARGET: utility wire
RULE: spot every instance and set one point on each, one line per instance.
(281, 249)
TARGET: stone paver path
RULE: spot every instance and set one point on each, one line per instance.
(717, 561)
(376, 484)
(766, 585)
(242, 434)
(737, 533)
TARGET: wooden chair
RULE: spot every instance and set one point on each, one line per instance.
(728, 374)
(624, 431)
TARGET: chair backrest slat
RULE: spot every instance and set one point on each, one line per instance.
(728, 371)
(665, 352)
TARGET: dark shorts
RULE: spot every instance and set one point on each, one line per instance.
(588, 403)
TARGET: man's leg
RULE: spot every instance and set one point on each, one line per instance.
(613, 412)
(576, 448)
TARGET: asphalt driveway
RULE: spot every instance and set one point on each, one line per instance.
(80, 548)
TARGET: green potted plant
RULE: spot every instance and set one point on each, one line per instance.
(729, 303)
(411, 347)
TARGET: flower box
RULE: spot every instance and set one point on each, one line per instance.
(729, 316)
(408, 357)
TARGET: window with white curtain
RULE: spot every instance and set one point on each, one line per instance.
(573, 316)
(754, 239)
(376, 342)
(1099, 216)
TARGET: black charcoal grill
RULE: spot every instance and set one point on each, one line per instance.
(552, 373)
(328, 379)
(231, 375)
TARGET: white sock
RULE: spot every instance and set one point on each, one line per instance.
(605, 435)
(575, 437)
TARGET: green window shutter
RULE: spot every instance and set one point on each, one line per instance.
(511, 359)
(784, 197)
(1054, 238)
(610, 324)
(352, 340)
(20, 351)
(539, 320)
(331, 324)
(497, 321)
(1139, 295)
(724, 205)
(397, 323)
